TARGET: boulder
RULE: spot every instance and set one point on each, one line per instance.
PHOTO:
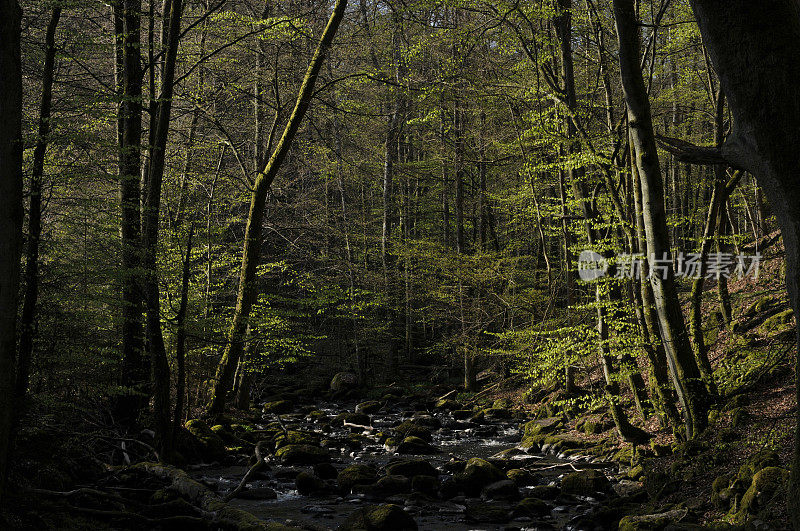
(379, 518)
(545, 492)
(768, 485)
(296, 437)
(416, 446)
(356, 475)
(369, 407)
(409, 429)
(649, 522)
(344, 381)
(477, 474)
(307, 483)
(520, 477)
(211, 445)
(325, 471)
(532, 508)
(302, 454)
(501, 490)
(447, 405)
(585, 483)
(391, 485)
(278, 407)
(411, 467)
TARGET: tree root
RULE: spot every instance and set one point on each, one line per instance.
(259, 464)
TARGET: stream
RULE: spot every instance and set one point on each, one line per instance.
(456, 439)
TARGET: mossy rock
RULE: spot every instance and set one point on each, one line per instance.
(369, 407)
(756, 462)
(278, 407)
(356, 475)
(779, 320)
(412, 429)
(652, 522)
(503, 403)
(344, 381)
(379, 518)
(307, 483)
(447, 405)
(521, 477)
(296, 437)
(477, 474)
(542, 426)
(585, 483)
(635, 473)
(393, 484)
(428, 485)
(545, 492)
(412, 467)
(768, 486)
(532, 508)
(318, 416)
(302, 454)
(415, 446)
(504, 489)
(212, 446)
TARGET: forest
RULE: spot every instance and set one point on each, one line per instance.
(399, 265)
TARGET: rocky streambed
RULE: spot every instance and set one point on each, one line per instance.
(402, 464)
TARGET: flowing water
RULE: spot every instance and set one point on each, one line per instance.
(456, 439)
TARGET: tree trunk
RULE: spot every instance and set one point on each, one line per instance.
(180, 339)
(252, 245)
(11, 215)
(754, 49)
(685, 373)
(135, 367)
(150, 223)
(28, 318)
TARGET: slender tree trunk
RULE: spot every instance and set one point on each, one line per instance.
(180, 339)
(28, 317)
(11, 216)
(685, 373)
(135, 367)
(150, 224)
(252, 245)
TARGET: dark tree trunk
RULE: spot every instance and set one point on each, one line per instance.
(754, 49)
(180, 341)
(11, 214)
(28, 317)
(135, 368)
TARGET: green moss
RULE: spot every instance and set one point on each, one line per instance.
(356, 475)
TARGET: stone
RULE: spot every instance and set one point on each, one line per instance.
(409, 428)
(387, 517)
(411, 467)
(477, 474)
(545, 492)
(767, 486)
(307, 483)
(302, 454)
(520, 477)
(532, 507)
(278, 407)
(462, 414)
(416, 446)
(649, 522)
(356, 475)
(498, 413)
(585, 483)
(211, 445)
(296, 437)
(391, 485)
(488, 512)
(369, 407)
(447, 405)
(501, 490)
(344, 381)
